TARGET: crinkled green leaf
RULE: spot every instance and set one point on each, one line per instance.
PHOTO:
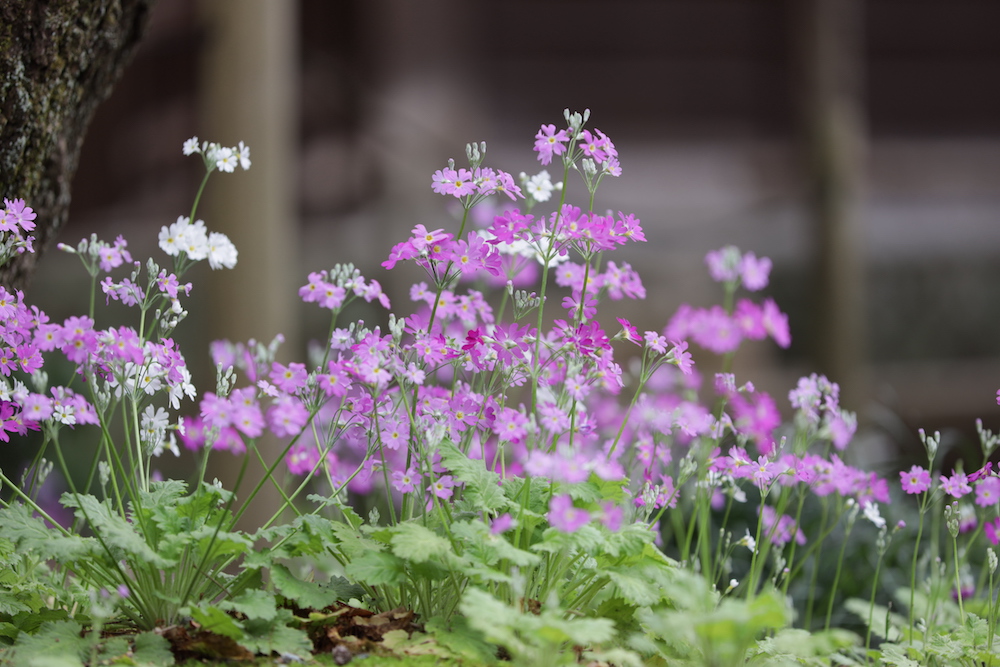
(482, 486)
(254, 604)
(586, 538)
(416, 543)
(634, 588)
(352, 544)
(478, 541)
(535, 500)
(152, 649)
(117, 534)
(310, 593)
(213, 619)
(375, 568)
(55, 643)
(30, 533)
(275, 636)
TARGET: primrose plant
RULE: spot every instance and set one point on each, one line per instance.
(160, 544)
(484, 461)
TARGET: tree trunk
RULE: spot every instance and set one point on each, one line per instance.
(59, 59)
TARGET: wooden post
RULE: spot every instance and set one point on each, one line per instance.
(249, 92)
(829, 54)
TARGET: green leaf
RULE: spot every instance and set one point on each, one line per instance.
(482, 486)
(118, 534)
(310, 593)
(152, 649)
(417, 543)
(275, 636)
(57, 643)
(30, 533)
(376, 568)
(213, 619)
(634, 588)
(254, 604)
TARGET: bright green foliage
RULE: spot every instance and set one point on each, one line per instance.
(533, 638)
(62, 644)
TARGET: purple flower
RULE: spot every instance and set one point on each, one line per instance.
(992, 530)
(548, 142)
(957, 485)
(755, 271)
(916, 480)
(502, 524)
(563, 516)
(988, 491)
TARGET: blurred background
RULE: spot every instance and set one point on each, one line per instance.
(856, 143)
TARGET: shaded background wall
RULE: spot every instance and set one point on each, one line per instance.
(350, 105)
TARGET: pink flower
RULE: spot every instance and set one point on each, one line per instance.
(776, 324)
(406, 481)
(442, 487)
(290, 378)
(457, 183)
(988, 491)
(957, 485)
(724, 264)
(548, 142)
(629, 332)
(611, 516)
(714, 330)
(992, 530)
(563, 516)
(287, 416)
(916, 480)
(502, 524)
(754, 271)
(681, 357)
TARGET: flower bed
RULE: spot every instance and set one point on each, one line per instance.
(526, 496)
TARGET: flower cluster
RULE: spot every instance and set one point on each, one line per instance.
(217, 156)
(16, 218)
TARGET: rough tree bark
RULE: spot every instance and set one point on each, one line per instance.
(58, 60)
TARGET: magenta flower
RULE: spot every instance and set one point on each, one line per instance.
(916, 480)
(957, 485)
(548, 142)
(724, 264)
(776, 324)
(714, 330)
(406, 481)
(754, 271)
(442, 487)
(290, 378)
(502, 524)
(612, 516)
(287, 416)
(629, 332)
(563, 516)
(457, 183)
(992, 531)
(988, 491)
(681, 357)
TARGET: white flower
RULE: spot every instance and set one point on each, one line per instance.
(221, 251)
(191, 146)
(225, 160)
(170, 236)
(873, 515)
(193, 240)
(243, 152)
(154, 419)
(540, 186)
(64, 414)
(169, 444)
(749, 542)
